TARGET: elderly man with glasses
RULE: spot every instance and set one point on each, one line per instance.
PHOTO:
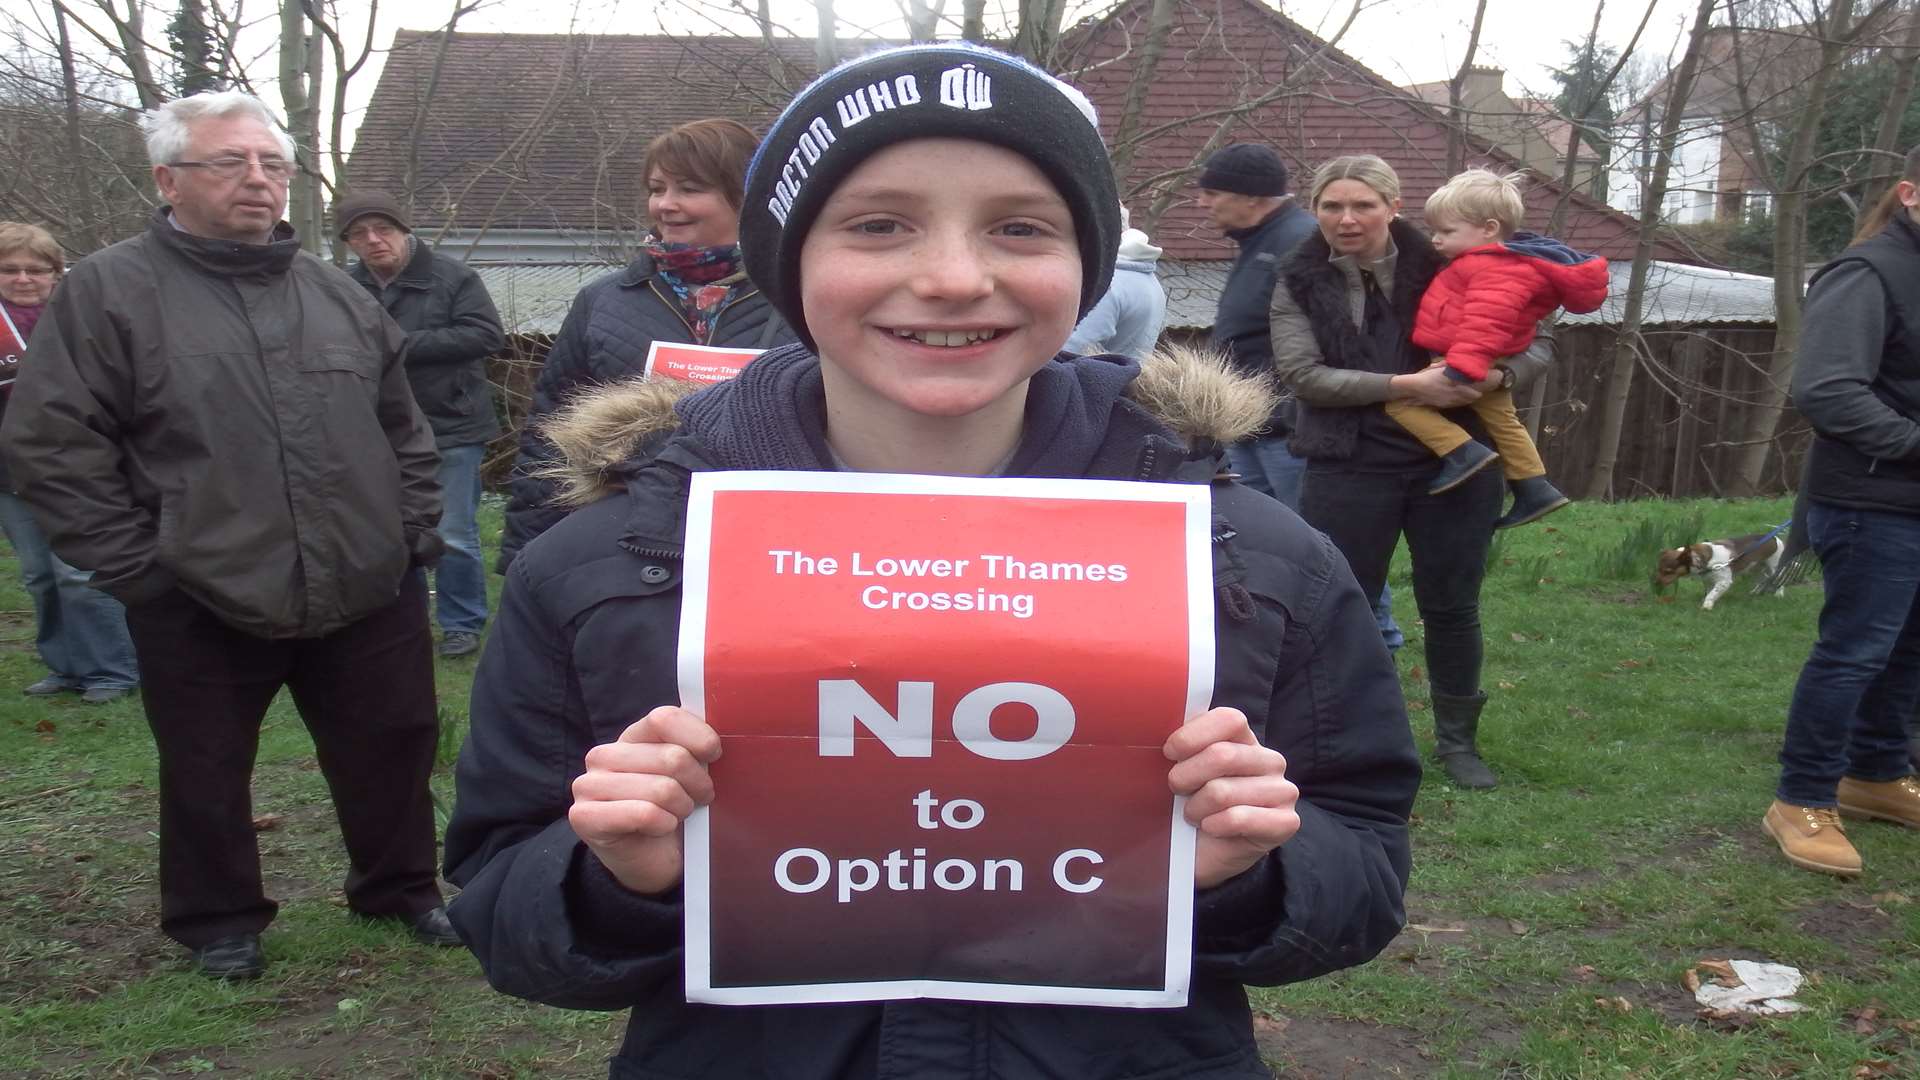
(219, 427)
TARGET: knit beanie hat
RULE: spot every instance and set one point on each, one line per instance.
(922, 92)
(359, 204)
(1245, 169)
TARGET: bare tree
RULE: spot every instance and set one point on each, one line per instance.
(1457, 128)
(1906, 62)
(1585, 110)
(1159, 27)
(826, 51)
(1626, 350)
(1834, 33)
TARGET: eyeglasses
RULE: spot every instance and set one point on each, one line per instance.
(10, 270)
(278, 170)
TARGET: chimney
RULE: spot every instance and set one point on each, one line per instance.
(1481, 83)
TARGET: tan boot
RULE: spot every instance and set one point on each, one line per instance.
(1897, 801)
(1811, 838)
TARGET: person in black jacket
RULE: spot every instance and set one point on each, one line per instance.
(1342, 325)
(452, 328)
(911, 237)
(1856, 379)
(1243, 189)
(686, 286)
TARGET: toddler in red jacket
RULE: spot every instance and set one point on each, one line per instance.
(1485, 305)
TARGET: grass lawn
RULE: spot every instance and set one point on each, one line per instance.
(1553, 920)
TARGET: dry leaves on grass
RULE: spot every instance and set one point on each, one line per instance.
(44, 727)
(1581, 972)
(1870, 1070)
(1614, 1004)
(268, 822)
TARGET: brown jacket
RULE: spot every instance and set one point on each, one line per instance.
(229, 419)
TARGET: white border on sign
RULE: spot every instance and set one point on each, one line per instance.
(697, 889)
(653, 350)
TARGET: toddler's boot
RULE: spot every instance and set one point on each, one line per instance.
(1533, 498)
(1457, 465)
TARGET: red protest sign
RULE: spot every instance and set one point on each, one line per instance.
(942, 703)
(696, 363)
(13, 348)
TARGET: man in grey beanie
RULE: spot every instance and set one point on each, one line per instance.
(452, 327)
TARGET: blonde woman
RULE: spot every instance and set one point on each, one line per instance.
(81, 631)
(1342, 322)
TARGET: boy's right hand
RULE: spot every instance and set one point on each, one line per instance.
(637, 791)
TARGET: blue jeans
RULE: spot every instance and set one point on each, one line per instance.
(1857, 693)
(82, 632)
(460, 581)
(1268, 467)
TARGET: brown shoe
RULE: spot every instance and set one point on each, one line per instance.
(1897, 801)
(1811, 838)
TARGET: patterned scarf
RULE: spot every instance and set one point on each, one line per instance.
(701, 278)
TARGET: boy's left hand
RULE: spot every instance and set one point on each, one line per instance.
(1237, 790)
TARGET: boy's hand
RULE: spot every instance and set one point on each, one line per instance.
(629, 804)
(1237, 790)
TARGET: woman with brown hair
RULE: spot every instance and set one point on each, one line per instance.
(1342, 323)
(81, 631)
(686, 286)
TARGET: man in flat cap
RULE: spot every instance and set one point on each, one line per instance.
(451, 328)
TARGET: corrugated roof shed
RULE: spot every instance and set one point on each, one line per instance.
(533, 298)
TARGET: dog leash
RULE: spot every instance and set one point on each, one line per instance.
(1760, 543)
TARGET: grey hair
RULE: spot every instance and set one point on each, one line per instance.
(1366, 168)
(169, 128)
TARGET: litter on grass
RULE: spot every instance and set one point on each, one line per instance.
(1724, 987)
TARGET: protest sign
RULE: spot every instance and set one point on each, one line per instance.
(13, 347)
(696, 363)
(942, 703)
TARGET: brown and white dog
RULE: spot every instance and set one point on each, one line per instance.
(1719, 560)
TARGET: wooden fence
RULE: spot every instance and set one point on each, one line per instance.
(1681, 434)
(1679, 438)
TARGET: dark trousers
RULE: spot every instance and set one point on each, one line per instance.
(1365, 513)
(1858, 690)
(366, 695)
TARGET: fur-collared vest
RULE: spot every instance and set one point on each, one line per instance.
(1325, 294)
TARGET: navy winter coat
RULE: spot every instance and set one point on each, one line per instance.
(585, 644)
(1240, 324)
(452, 328)
(604, 339)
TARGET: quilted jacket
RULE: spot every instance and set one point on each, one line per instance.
(1488, 302)
(605, 339)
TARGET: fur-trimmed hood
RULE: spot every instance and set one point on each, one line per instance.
(1191, 391)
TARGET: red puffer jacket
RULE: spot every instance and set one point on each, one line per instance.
(1486, 303)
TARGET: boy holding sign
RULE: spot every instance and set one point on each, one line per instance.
(933, 220)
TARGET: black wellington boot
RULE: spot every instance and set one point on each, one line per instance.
(1455, 722)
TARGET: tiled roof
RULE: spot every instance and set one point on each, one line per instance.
(543, 131)
(548, 130)
(1223, 51)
